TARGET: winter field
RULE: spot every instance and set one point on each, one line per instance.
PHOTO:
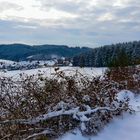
(49, 71)
(123, 127)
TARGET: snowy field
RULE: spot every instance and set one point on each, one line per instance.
(49, 71)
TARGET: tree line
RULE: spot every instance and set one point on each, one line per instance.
(120, 54)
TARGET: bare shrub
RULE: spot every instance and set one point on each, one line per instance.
(34, 107)
(129, 77)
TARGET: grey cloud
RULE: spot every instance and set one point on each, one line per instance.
(9, 5)
(84, 30)
(67, 6)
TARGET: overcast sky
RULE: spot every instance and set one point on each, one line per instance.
(72, 22)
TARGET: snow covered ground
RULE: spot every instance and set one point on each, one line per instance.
(126, 127)
(49, 71)
(6, 61)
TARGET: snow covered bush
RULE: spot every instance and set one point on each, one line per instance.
(37, 107)
(129, 77)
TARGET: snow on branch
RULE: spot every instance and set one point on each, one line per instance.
(75, 113)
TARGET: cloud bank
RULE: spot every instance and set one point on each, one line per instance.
(73, 22)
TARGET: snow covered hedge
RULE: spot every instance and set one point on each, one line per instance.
(129, 77)
(37, 107)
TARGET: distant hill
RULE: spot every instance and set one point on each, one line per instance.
(18, 52)
(106, 55)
